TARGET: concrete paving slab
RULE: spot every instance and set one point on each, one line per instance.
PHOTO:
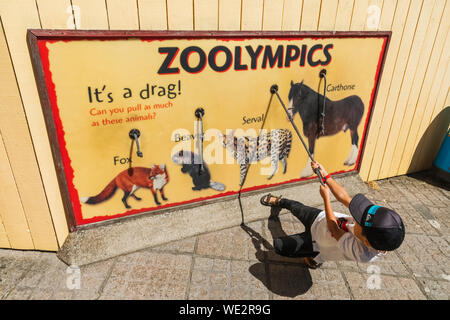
(237, 263)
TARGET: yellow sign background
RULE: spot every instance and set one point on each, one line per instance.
(225, 96)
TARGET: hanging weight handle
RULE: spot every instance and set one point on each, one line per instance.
(323, 74)
(199, 114)
(135, 134)
(274, 90)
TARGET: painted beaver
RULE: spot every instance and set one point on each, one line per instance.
(191, 164)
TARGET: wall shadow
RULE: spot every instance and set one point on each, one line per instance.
(430, 142)
(431, 177)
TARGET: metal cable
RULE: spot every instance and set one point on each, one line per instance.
(274, 89)
(199, 113)
(322, 74)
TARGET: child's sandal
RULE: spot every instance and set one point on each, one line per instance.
(312, 264)
(268, 203)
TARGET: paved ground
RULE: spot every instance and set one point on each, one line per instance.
(239, 262)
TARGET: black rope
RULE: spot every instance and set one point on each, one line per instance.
(134, 134)
(249, 163)
(274, 90)
(323, 74)
(199, 113)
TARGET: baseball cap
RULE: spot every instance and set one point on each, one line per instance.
(382, 226)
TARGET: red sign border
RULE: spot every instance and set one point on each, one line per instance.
(36, 38)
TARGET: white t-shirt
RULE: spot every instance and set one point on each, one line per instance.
(348, 247)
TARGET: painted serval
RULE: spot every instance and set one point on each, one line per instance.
(248, 149)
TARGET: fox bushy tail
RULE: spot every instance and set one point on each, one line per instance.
(103, 195)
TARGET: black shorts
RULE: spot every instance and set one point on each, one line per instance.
(297, 245)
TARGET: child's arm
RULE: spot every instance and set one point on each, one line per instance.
(338, 191)
(332, 223)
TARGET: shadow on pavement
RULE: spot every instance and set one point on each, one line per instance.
(429, 144)
(431, 177)
(283, 279)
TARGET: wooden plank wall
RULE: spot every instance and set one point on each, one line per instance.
(404, 133)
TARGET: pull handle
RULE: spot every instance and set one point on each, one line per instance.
(323, 74)
(317, 171)
(135, 134)
(199, 113)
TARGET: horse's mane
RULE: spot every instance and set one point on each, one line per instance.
(307, 90)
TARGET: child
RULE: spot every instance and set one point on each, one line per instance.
(366, 235)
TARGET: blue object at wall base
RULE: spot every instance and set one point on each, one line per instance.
(441, 174)
(442, 159)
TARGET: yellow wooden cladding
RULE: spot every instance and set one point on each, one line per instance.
(55, 14)
(90, 14)
(57, 17)
(272, 15)
(152, 14)
(406, 121)
(344, 15)
(230, 15)
(417, 99)
(310, 15)
(16, 17)
(387, 15)
(377, 126)
(4, 242)
(123, 14)
(252, 14)
(292, 14)
(402, 116)
(12, 213)
(327, 16)
(439, 88)
(206, 13)
(180, 14)
(399, 84)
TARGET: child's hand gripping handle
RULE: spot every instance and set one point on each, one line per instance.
(320, 171)
(317, 171)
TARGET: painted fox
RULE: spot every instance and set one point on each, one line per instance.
(130, 180)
